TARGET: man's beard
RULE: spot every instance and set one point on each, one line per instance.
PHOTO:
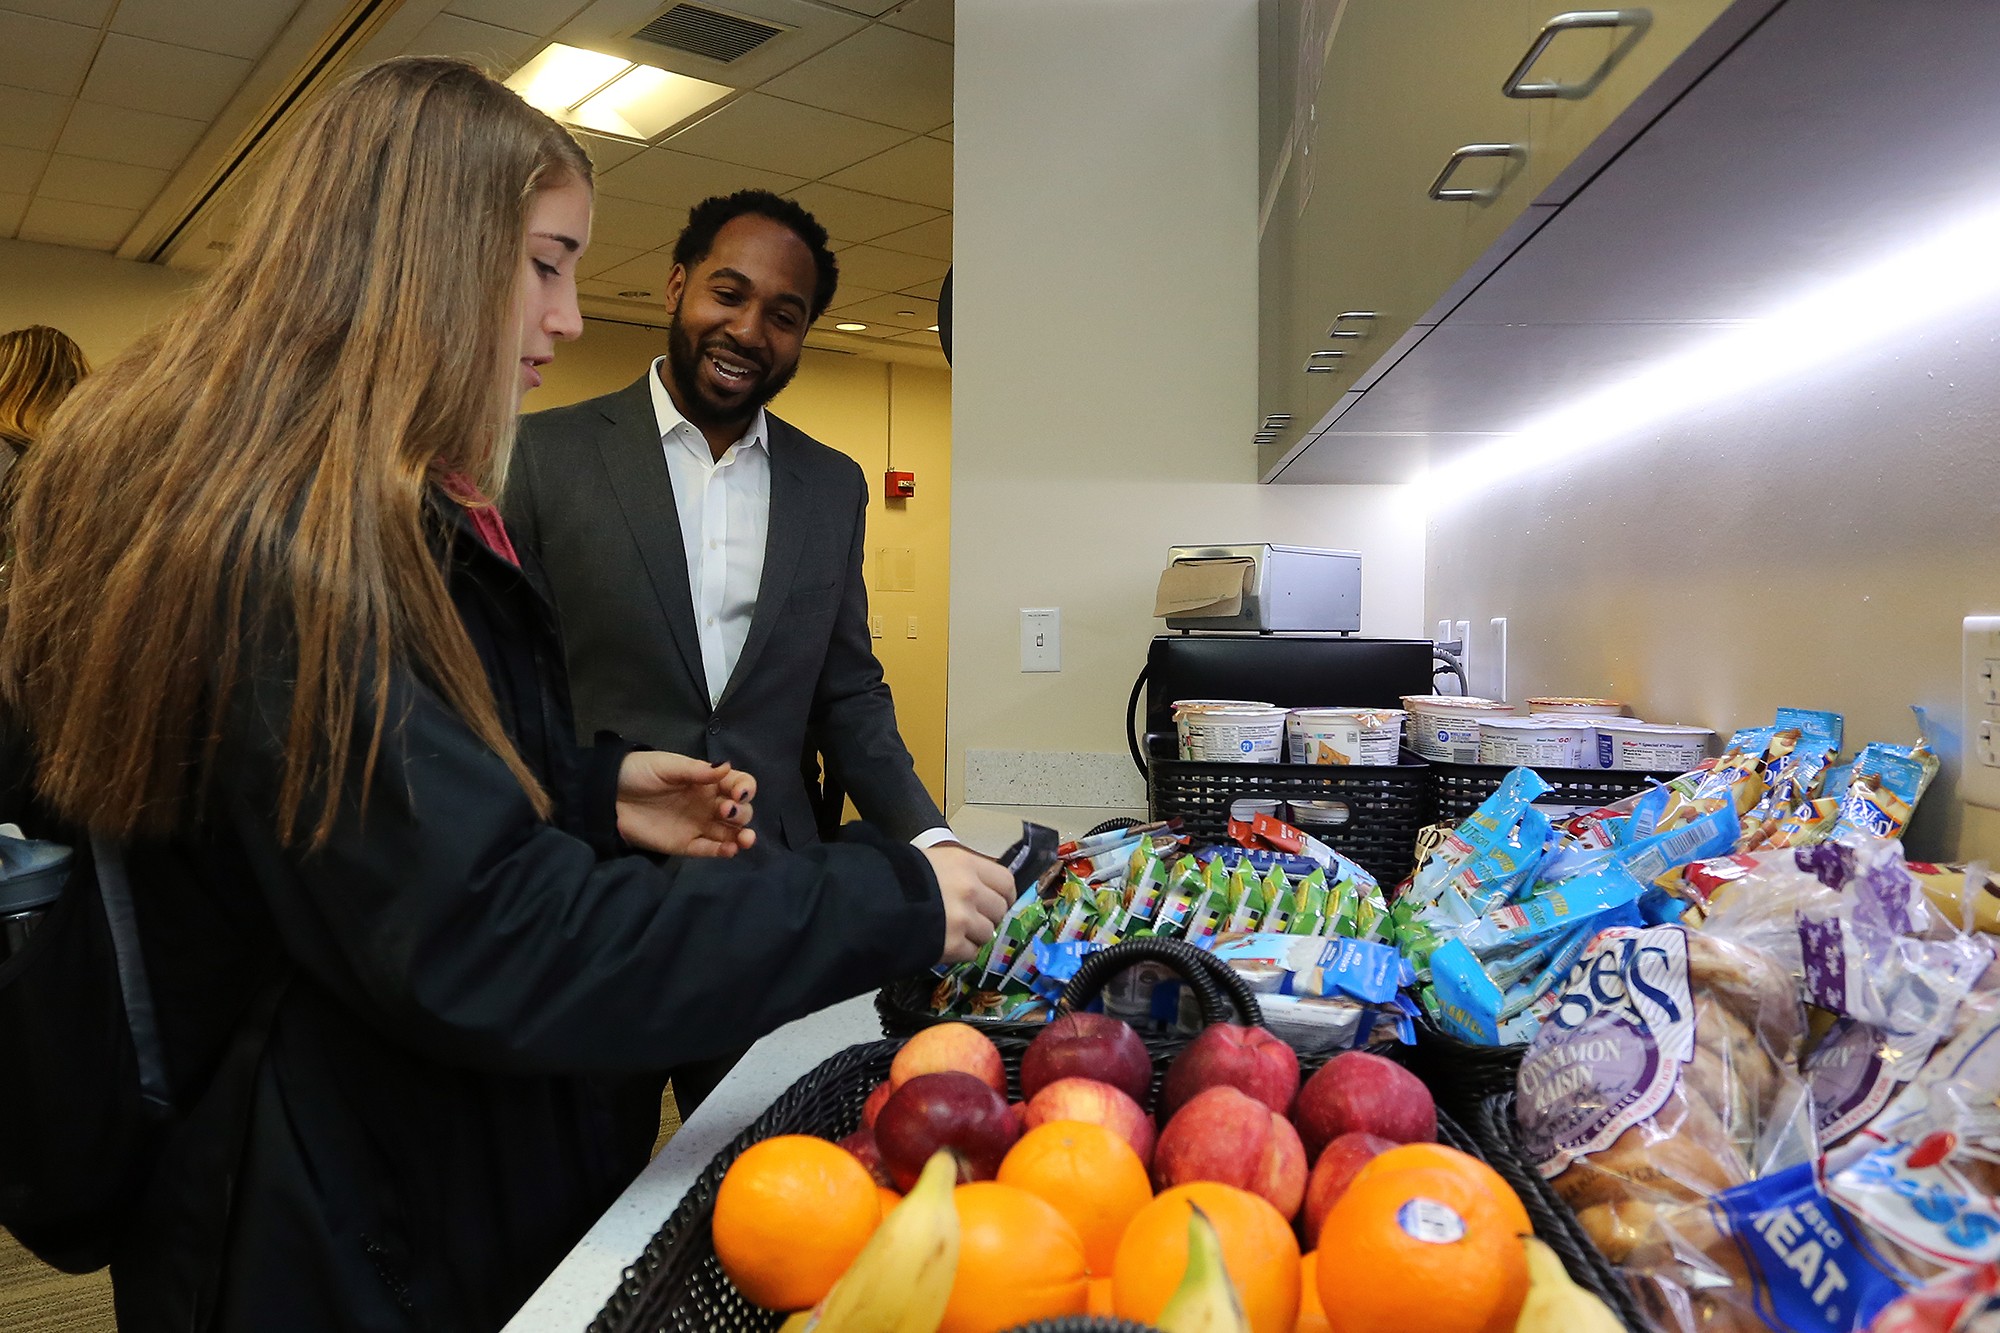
(684, 364)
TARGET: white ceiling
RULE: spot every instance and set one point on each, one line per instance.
(135, 126)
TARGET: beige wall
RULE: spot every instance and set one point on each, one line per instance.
(1105, 375)
(102, 302)
(1812, 544)
(845, 402)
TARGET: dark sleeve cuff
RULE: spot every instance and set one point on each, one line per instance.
(915, 878)
(596, 819)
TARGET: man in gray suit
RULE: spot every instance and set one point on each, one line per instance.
(705, 556)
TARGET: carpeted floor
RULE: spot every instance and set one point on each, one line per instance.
(35, 1298)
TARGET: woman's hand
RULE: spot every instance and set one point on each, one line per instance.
(670, 803)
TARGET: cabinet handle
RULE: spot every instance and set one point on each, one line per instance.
(1635, 19)
(1335, 331)
(1277, 420)
(1321, 363)
(1471, 150)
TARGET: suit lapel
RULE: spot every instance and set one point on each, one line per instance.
(634, 461)
(790, 505)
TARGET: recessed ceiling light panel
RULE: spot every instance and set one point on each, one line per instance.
(850, 328)
(611, 95)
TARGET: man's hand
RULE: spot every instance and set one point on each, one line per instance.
(670, 803)
(977, 892)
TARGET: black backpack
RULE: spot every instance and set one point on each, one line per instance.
(84, 1094)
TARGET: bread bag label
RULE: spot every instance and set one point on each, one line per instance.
(1612, 1048)
(1852, 1074)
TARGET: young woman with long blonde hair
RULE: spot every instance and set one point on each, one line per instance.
(261, 627)
(38, 368)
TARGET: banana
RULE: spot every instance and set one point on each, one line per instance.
(1205, 1301)
(1555, 1303)
(900, 1281)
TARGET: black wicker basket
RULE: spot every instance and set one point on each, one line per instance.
(1460, 1074)
(1458, 789)
(677, 1284)
(1500, 1144)
(1384, 807)
(904, 1006)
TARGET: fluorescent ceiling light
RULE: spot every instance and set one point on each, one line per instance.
(850, 328)
(609, 94)
(1948, 270)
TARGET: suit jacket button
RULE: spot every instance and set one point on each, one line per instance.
(714, 727)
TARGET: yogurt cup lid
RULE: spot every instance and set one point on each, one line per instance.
(1206, 705)
(1658, 728)
(1431, 703)
(1542, 723)
(1569, 701)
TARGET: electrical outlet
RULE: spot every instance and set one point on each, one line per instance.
(1462, 631)
(1041, 639)
(1979, 780)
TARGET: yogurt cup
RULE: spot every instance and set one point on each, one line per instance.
(1344, 736)
(1627, 743)
(1221, 733)
(1565, 706)
(1445, 727)
(1538, 742)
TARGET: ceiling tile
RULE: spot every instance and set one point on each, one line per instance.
(636, 225)
(921, 338)
(931, 18)
(86, 226)
(943, 132)
(44, 55)
(930, 239)
(233, 27)
(83, 180)
(12, 206)
(30, 119)
(606, 153)
(21, 169)
(788, 137)
(887, 271)
(647, 273)
(498, 49)
(849, 294)
(118, 134)
(541, 17)
(860, 217)
(601, 257)
(930, 291)
(890, 310)
(880, 73)
(918, 170)
(169, 80)
(677, 180)
(872, 8)
(92, 13)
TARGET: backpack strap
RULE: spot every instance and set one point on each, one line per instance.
(140, 1015)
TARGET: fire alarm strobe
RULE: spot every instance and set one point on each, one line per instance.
(899, 485)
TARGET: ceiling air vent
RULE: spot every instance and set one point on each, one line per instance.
(709, 33)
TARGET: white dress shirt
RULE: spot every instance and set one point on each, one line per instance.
(724, 506)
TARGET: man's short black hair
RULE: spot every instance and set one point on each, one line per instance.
(709, 217)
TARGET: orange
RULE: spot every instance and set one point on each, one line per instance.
(1019, 1261)
(1258, 1249)
(1312, 1314)
(1088, 1174)
(1424, 1247)
(889, 1199)
(1101, 1305)
(792, 1213)
(1508, 1203)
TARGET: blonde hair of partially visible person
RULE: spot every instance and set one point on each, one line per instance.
(253, 473)
(38, 367)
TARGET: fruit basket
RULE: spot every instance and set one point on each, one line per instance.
(1462, 1074)
(904, 1006)
(1499, 1137)
(677, 1282)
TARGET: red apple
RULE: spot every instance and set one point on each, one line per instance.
(950, 1048)
(953, 1111)
(1020, 1110)
(1335, 1170)
(1094, 1103)
(1088, 1046)
(873, 1106)
(1231, 1137)
(862, 1144)
(1359, 1093)
(1250, 1060)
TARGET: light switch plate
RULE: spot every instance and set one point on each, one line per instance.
(1979, 778)
(1041, 639)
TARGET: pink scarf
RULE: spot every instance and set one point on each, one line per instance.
(484, 514)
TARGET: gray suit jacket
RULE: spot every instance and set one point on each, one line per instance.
(591, 499)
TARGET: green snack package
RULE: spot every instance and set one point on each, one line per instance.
(1343, 905)
(1107, 918)
(1211, 909)
(1010, 943)
(1310, 917)
(1284, 903)
(1144, 891)
(1248, 903)
(1183, 887)
(1371, 914)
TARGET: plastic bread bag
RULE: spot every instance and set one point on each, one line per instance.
(1967, 1301)
(1664, 1072)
